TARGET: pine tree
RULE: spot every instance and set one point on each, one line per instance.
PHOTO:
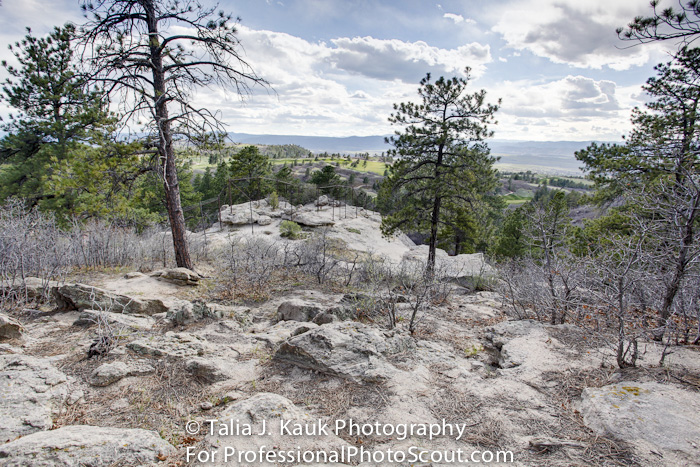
(442, 140)
(57, 117)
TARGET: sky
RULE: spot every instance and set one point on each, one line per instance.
(336, 67)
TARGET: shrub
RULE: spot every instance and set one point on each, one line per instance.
(289, 229)
(274, 200)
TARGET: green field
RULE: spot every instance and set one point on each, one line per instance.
(375, 167)
(513, 198)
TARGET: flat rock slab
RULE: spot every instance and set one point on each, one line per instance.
(660, 416)
(31, 393)
(92, 317)
(170, 345)
(85, 297)
(272, 410)
(347, 349)
(110, 373)
(88, 446)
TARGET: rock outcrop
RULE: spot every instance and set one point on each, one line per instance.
(110, 373)
(654, 416)
(85, 445)
(91, 317)
(31, 393)
(177, 276)
(85, 297)
(273, 409)
(178, 345)
(297, 310)
(350, 350)
(10, 328)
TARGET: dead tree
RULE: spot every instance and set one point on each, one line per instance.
(150, 55)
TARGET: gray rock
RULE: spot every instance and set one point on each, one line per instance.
(84, 297)
(92, 317)
(31, 393)
(297, 310)
(184, 312)
(264, 220)
(654, 415)
(350, 350)
(177, 276)
(88, 446)
(273, 409)
(177, 345)
(242, 217)
(207, 370)
(280, 332)
(308, 219)
(109, 373)
(325, 318)
(10, 328)
(241, 314)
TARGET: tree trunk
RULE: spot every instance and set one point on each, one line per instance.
(165, 145)
(679, 274)
(430, 266)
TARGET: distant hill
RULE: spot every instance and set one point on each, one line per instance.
(554, 157)
(371, 144)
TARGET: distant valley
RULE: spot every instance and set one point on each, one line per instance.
(545, 157)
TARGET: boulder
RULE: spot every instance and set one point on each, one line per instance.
(273, 410)
(177, 276)
(85, 297)
(92, 317)
(348, 349)
(325, 200)
(184, 312)
(207, 370)
(308, 219)
(297, 310)
(648, 415)
(264, 220)
(109, 373)
(86, 445)
(10, 328)
(32, 391)
(242, 217)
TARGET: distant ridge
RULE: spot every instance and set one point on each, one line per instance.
(318, 143)
(538, 156)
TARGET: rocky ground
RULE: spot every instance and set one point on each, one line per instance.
(133, 369)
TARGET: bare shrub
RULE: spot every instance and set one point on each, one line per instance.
(250, 264)
(31, 245)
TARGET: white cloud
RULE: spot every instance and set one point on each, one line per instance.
(575, 107)
(458, 18)
(581, 34)
(407, 61)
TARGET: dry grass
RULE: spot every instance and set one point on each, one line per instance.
(330, 397)
(163, 401)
